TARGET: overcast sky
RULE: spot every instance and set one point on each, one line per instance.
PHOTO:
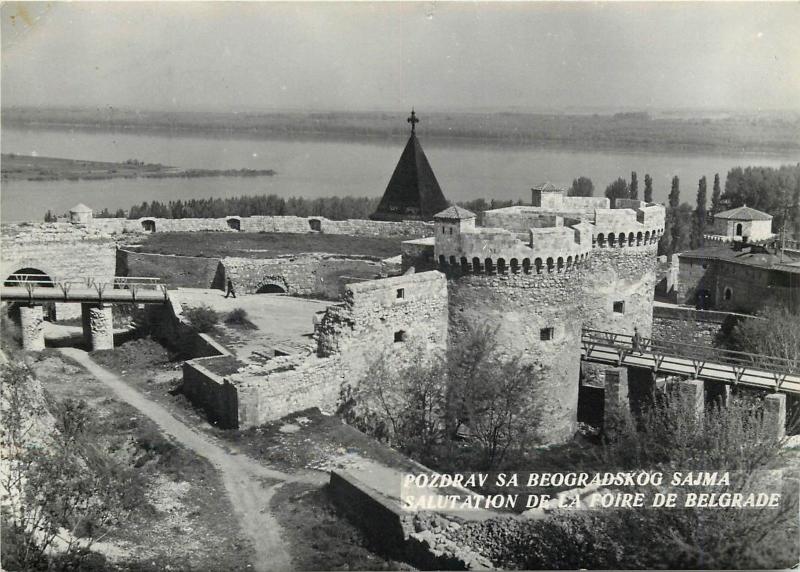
(236, 56)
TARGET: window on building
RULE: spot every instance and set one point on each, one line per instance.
(546, 334)
(451, 230)
(400, 336)
(619, 307)
(401, 292)
(728, 294)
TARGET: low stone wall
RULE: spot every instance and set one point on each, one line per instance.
(300, 274)
(175, 271)
(383, 521)
(212, 393)
(679, 324)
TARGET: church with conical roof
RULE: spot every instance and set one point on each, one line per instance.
(413, 193)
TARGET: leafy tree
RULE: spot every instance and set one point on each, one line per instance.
(675, 193)
(699, 226)
(50, 217)
(581, 187)
(421, 404)
(617, 190)
(634, 188)
(775, 331)
(716, 197)
(58, 487)
(648, 188)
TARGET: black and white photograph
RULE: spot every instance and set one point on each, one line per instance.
(399, 285)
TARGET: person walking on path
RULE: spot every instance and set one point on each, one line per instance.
(230, 291)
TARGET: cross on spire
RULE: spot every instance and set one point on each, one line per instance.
(413, 120)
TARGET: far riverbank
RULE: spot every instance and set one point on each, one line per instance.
(34, 168)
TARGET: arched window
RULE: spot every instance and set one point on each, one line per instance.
(739, 229)
(612, 240)
(501, 265)
(647, 237)
(728, 293)
(489, 266)
(442, 260)
(514, 266)
(538, 264)
(476, 265)
(464, 264)
(526, 265)
(601, 240)
(569, 262)
(639, 238)
(550, 264)
(560, 263)
(621, 239)
(631, 239)
(452, 261)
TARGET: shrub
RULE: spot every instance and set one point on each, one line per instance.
(238, 318)
(202, 318)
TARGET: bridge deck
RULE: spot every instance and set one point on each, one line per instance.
(33, 288)
(765, 372)
(111, 295)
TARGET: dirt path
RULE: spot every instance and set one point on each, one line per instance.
(249, 484)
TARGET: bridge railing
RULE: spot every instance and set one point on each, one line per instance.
(694, 352)
(32, 282)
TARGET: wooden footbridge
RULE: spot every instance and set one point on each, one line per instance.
(37, 289)
(698, 362)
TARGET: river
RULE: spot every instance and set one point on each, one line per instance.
(321, 167)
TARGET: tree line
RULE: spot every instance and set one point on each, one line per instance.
(774, 191)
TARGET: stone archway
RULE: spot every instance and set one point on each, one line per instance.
(148, 225)
(29, 275)
(272, 285)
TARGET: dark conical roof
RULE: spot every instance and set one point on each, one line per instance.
(413, 192)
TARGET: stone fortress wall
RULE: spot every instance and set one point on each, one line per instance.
(537, 275)
(287, 224)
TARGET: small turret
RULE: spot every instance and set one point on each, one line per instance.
(80, 214)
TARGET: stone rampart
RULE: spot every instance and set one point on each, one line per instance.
(173, 270)
(308, 274)
(68, 258)
(687, 325)
(104, 227)
(619, 290)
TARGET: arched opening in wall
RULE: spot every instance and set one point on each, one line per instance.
(315, 225)
(489, 266)
(526, 265)
(728, 294)
(476, 265)
(631, 239)
(29, 277)
(501, 265)
(464, 265)
(612, 240)
(647, 237)
(442, 260)
(601, 240)
(234, 223)
(560, 264)
(271, 289)
(514, 266)
(550, 264)
(149, 225)
(621, 239)
(639, 238)
(453, 261)
(569, 262)
(538, 265)
(739, 229)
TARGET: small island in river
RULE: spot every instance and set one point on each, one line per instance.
(33, 168)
